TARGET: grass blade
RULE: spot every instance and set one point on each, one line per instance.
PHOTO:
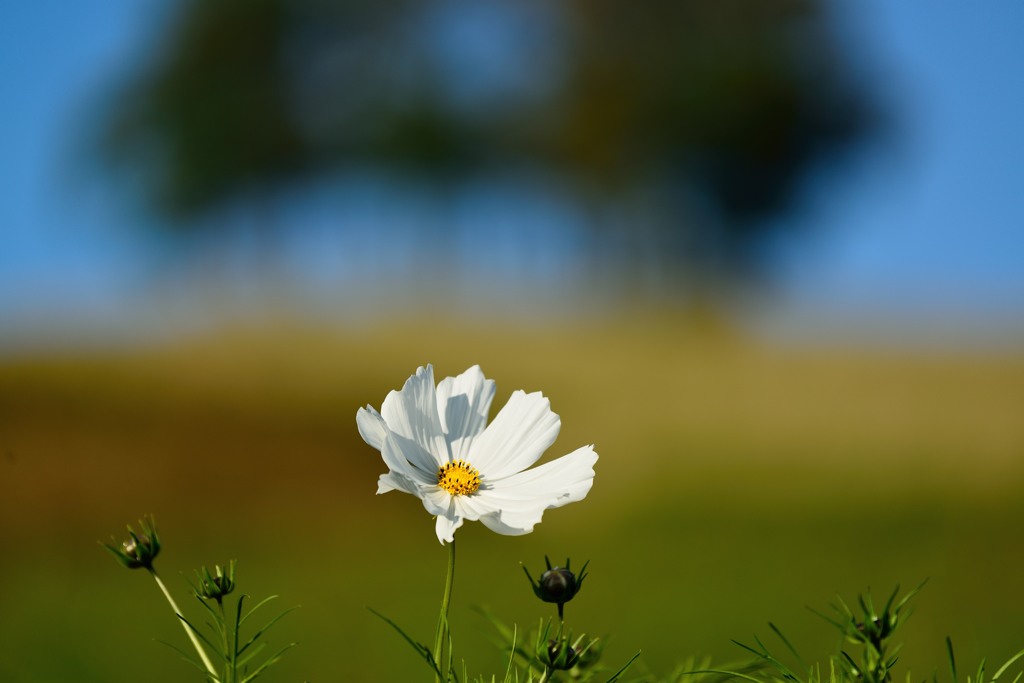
(788, 645)
(1007, 665)
(622, 670)
(423, 650)
(266, 626)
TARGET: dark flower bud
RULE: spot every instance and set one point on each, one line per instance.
(558, 584)
(560, 655)
(216, 585)
(140, 549)
(559, 651)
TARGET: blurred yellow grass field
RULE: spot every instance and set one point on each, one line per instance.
(738, 482)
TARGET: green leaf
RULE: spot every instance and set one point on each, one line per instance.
(625, 666)
(270, 662)
(255, 607)
(240, 664)
(867, 606)
(764, 654)
(854, 668)
(788, 645)
(421, 649)
(238, 626)
(909, 595)
(511, 656)
(721, 672)
(839, 625)
(185, 656)
(266, 626)
(888, 603)
(508, 636)
(199, 634)
(217, 616)
(952, 659)
(1006, 666)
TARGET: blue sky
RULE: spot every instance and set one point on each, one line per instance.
(928, 226)
(937, 221)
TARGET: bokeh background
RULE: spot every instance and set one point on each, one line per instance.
(767, 256)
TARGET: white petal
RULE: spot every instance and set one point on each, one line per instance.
(439, 503)
(403, 457)
(436, 500)
(411, 415)
(371, 426)
(463, 404)
(560, 474)
(522, 498)
(495, 523)
(471, 508)
(518, 436)
(445, 528)
(479, 508)
(393, 481)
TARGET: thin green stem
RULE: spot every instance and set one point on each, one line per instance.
(442, 620)
(229, 674)
(188, 631)
(234, 646)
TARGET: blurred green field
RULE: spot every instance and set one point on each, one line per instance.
(738, 483)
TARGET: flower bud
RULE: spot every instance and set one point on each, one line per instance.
(558, 584)
(140, 549)
(559, 654)
(215, 586)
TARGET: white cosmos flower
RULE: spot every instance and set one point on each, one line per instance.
(438, 446)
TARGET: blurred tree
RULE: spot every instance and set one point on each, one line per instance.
(694, 120)
(212, 118)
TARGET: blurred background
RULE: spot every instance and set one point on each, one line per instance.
(767, 256)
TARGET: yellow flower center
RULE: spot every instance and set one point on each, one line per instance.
(458, 478)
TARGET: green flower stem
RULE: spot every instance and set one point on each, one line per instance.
(188, 631)
(442, 620)
(230, 674)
